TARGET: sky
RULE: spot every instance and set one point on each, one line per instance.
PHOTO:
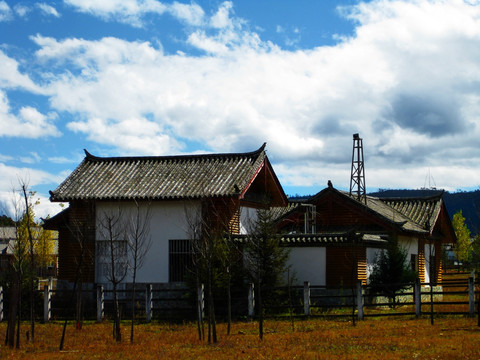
(154, 77)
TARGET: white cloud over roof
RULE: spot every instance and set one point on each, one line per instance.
(408, 80)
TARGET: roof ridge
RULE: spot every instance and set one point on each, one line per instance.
(94, 158)
(409, 198)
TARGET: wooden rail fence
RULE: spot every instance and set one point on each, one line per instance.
(450, 297)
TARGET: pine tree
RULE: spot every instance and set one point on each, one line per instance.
(391, 272)
(266, 260)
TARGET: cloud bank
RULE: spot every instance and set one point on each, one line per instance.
(407, 80)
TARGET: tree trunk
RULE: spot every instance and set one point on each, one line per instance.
(212, 328)
(13, 310)
(116, 315)
(133, 307)
(229, 305)
(79, 307)
(32, 265)
(260, 311)
(201, 334)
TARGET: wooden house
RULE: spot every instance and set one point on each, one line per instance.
(222, 190)
(338, 237)
(8, 237)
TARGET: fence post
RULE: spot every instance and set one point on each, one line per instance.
(251, 300)
(148, 302)
(471, 296)
(360, 300)
(1, 303)
(418, 297)
(201, 302)
(306, 298)
(100, 303)
(46, 304)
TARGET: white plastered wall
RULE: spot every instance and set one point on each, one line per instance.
(429, 249)
(372, 255)
(248, 216)
(169, 221)
(308, 264)
(410, 245)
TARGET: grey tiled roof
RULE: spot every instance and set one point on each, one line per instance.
(423, 211)
(417, 215)
(160, 177)
(411, 214)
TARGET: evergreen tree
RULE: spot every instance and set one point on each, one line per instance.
(391, 272)
(266, 260)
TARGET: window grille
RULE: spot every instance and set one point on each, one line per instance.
(180, 259)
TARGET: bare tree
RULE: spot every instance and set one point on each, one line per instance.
(202, 244)
(193, 218)
(27, 194)
(79, 231)
(139, 242)
(18, 249)
(204, 239)
(112, 247)
(214, 255)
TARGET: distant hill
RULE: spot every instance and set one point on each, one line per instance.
(467, 201)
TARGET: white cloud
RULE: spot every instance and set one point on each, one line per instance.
(192, 14)
(29, 123)
(10, 181)
(5, 12)
(48, 10)
(136, 135)
(126, 11)
(133, 11)
(10, 76)
(221, 19)
(5, 158)
(91, 56)
(31, 159)
(21, 10)
(408, 81)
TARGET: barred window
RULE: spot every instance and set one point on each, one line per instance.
(180, 259)
(105, 250)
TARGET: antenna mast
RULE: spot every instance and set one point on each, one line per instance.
(357, 179)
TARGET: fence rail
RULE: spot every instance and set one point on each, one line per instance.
(449, 297)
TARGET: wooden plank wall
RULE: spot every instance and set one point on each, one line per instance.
(345, 266)
(421, 260)
(80, 226)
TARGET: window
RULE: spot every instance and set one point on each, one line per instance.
(105, 251)
(180, 259)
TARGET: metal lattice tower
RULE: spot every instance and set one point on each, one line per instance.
(357, 180)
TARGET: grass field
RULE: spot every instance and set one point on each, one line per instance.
(448, 338)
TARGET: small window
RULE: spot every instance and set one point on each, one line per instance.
(180, 259)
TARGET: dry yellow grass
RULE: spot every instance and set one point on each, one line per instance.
(448, 338)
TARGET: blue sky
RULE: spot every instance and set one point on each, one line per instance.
(148, 77)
